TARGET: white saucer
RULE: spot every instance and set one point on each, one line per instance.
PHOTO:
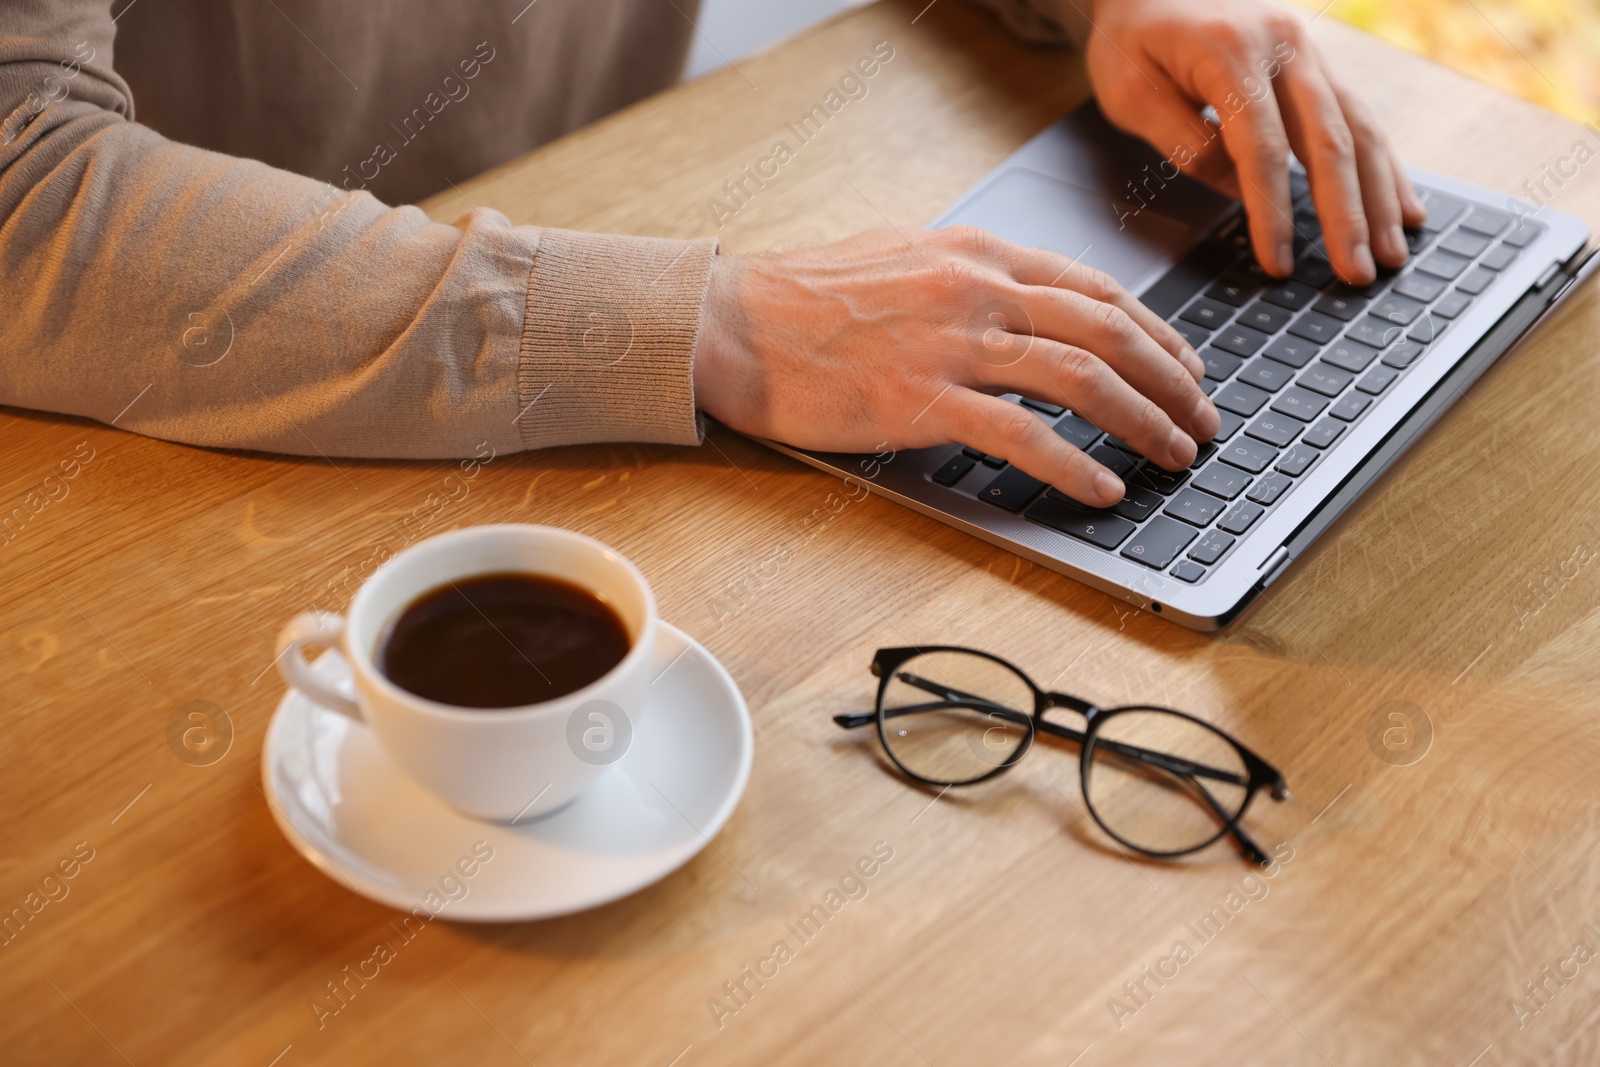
(351, 812)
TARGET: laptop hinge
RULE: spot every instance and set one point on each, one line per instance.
(1275, 565)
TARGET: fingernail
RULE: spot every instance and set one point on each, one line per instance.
(1204, 420)
(1193, 364)
(1286, 257)
(1109, 486)
(1181, 447)
(1363, 260)
(1397, 241)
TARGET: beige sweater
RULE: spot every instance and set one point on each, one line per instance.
(225, 271)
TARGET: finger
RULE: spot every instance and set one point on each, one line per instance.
(1075, 377)
(1020, 437)
(1173, 123)
(1413, 211)
(1327, 145)
(1034, 266)
(1121, 343)
(1259, 145)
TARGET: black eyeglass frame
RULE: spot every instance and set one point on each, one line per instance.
(1261, 775)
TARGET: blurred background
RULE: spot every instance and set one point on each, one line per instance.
(1546, 51)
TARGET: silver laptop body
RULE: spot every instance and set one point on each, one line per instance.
(1086, 191)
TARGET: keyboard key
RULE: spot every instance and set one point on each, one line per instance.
(1266, 374)
(1138, 505)
(1043, 408)
(957, 468)
(1240, 340)
(1268, 318)
(1423, 287)
(1299, 403)
(1248, 454)
(1219, 365)
(1404, 354)
(1465, 243)
(1207, 313)
(1241, 517)
(1230, 426)
(1208, 385)
(1117, 442)
(1307, 227)
(1188, 571)
(1378, 379)
(1452, 305)
(1233, 291)
(1442, 210)
(1194, 507)
(1211, 546)
(1206, 450)
(1195, 335)
(1446, 265)
(1427, 329)
(1397, 310)
(1350, 406)
(1299, 185)
(1086, 524)
(1153, 478)
(1313, 269)
(1295, 461)
(1240, 399)
(1522, 235)
(972, 453)
(1221, 480)
(1077, 432)
(1315, 326)
(1321, 435)
(1267, 490)
(1417, 240)
(1011, 490)
(1374, 332)
(1499, 257)
(1274, 429)
(1327, 380)
(991, 461)
(1159, 543)
(1486, 221)
(1114, 460)
(1350, 356)
(1476, 281)
(1293, 352)
(1343, 308)
(1291, 295)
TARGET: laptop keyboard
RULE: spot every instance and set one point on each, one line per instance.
(1291, 364)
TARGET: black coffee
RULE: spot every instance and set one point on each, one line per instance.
(502, 641)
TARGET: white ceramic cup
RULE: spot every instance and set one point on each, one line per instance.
(505, 764)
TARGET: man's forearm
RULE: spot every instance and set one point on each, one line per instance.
(212, 300)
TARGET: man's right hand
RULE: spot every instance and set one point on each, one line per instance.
(891, 340)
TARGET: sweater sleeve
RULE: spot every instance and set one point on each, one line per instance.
(216, 301)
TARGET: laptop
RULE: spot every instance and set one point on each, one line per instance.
(1321, 387)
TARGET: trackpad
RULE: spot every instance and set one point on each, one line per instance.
(1133, 245)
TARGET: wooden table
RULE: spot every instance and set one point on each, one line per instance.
(1419, 896)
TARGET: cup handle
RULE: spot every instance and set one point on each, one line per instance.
(313, 628)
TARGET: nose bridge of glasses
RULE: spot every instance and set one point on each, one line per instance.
(1070, 703)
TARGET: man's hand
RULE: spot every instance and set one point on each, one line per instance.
(1155, 64)
(892, 341)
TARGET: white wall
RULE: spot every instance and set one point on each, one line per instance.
(729, 29)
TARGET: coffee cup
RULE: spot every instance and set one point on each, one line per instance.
(506, 763)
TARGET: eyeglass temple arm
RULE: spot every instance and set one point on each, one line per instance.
(1247, 844)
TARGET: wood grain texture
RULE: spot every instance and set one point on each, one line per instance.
(1418, 901)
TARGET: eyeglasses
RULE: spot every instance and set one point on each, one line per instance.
(1161, 782)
